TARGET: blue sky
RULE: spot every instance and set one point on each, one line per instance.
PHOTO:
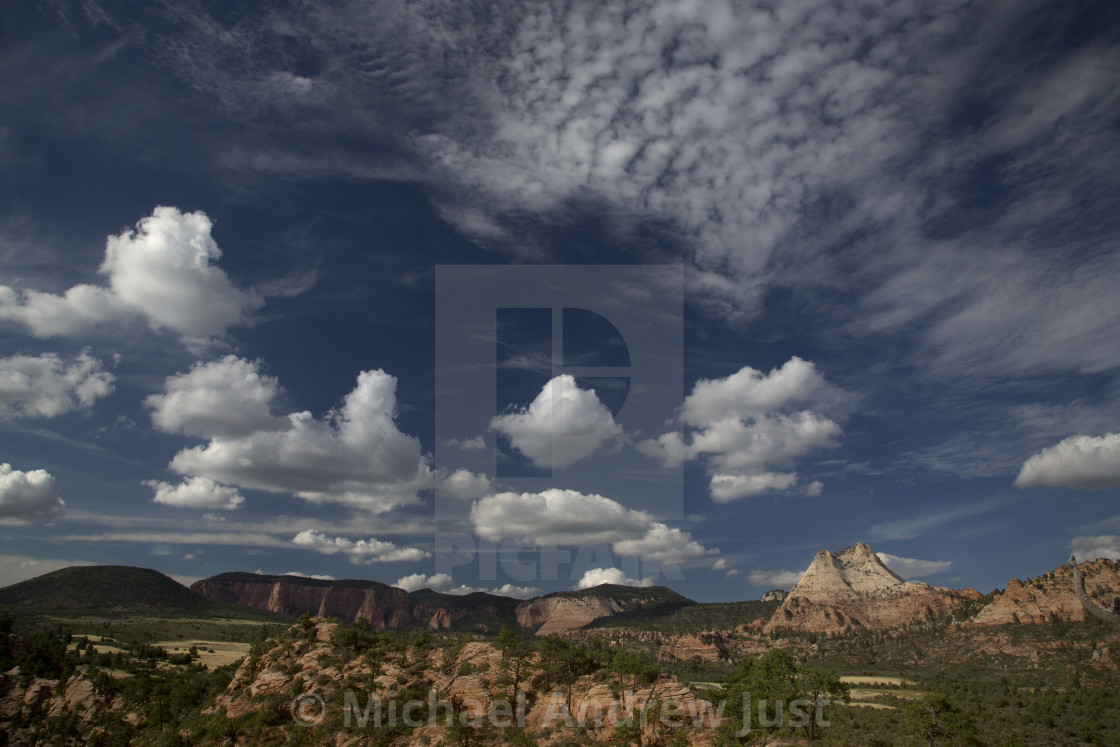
(860, 261)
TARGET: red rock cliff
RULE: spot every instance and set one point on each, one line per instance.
(1051, 595)
(384, 606)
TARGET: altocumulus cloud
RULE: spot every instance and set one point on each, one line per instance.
(746, 424)
(28, 496)
(162, 272)
(48, 385)
(355, 455)
(1080, 462)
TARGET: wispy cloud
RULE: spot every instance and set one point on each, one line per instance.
(928, 521)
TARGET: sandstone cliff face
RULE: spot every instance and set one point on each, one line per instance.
(1051, 596)
(557, 614)
(710, 646)
(384, 606)
(854, 589)
(77, 696)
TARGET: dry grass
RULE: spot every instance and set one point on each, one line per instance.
(224, 652)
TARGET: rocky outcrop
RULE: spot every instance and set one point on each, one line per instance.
(853, 588)
(35, 694)
(711, 646)
(471, 676)
(554, 614)
(1051, 596)
(384, 606)
(774, 595)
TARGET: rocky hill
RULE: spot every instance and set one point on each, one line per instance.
(1051, 595)
(115, 590)
(383, 605)
(854, 589)
(389, 607)
(569, 610)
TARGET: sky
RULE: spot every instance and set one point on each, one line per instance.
(523, 297)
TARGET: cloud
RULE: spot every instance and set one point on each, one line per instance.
(518, 592)
(28, 496)
(562, 425)
(774, 579)
(663, 544)
(227, 398)
(795, 148)
(444, 584)
(163, 272)
(913, 568)
(1079, 462)
(927, 521)
(196, 492)
(568, 517)
(1093, 547)
(596, 576)
(465, 485)
(726, 488)
(742, 426)
(563, 517)
(355, 456)
(47, 385)
(720, 565)
(316, 576)
(748, 393)
(478, 443)
(360, 551)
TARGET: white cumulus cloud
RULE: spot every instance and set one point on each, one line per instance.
(163, 272)
(777, 579)
(748, 393)
(912, 567)
(48, 385)
(1080, 462)
(726, 488)
(355, 456)
(562, 425)
(359, 551)
(28, 496)
(596, 576)
(226, 398)
(196, 492)
(568, 517)
(444, 584)
(465, 485)
(744, 425)
(1095, 546)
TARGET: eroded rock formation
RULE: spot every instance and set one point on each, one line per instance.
(854, 588)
